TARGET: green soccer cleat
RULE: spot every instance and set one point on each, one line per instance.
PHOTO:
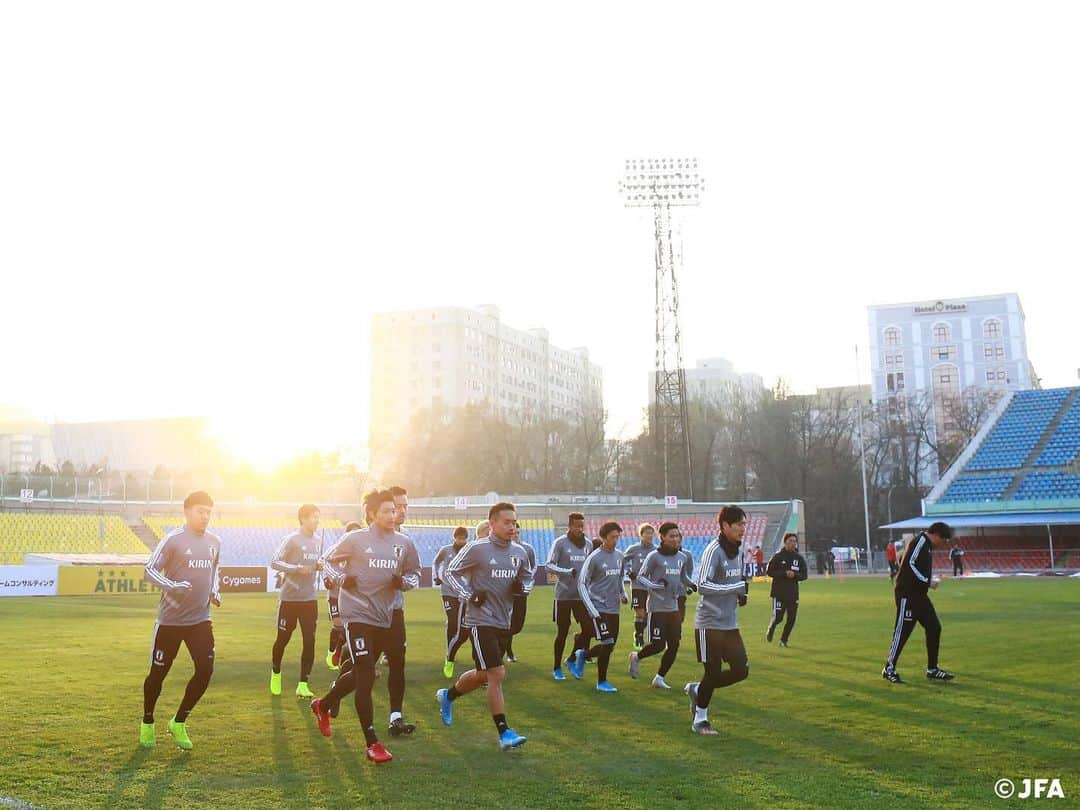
(275, 683)
(147, 737)
(448, 669)
(178, 731)
(303, 691)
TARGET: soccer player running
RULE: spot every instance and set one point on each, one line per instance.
(369, 566)
(521, 600)
(639, 597)
(337, 633)
(297, 558)
(787, 569)
(487, 574)
(723, 589)
(185, 566)
(453, 607)
(601, 589)
(913, 604)
(663, 574)
(567, 555)
(395, 654)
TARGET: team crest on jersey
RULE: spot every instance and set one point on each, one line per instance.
(515, 562)
(399, 551)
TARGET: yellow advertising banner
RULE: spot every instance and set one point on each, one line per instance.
(78, 580)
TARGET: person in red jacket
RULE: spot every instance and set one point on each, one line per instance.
(759, 560)
(890, 555)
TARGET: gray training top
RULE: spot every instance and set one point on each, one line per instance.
(490, 565)
(372, 556)
(296, 550)
(634, 557)
(183, 556)
(671, 568)
(565, 558)
(600, 583)
(438, 567)
(412, 560)
(720, 582)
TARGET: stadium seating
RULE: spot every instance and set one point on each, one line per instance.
(252, 541)
(1065, 443)
(23, 533)
(697, 530)
(1018, 430)
(977, 488)
(248, 541)
(1048, 485)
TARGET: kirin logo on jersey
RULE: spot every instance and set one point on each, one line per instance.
(733, 572)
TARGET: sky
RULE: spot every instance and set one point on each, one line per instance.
(201, 204)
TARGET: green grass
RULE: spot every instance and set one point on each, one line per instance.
(815, 725)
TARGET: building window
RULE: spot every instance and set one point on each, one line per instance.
(899, 359)
(900, 381)
(1001, 375)
(945, 352)
(941, 333)
(888, 362)
(892, 336)
(992, 329)
(990, 376)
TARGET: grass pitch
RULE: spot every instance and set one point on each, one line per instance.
(813, 726)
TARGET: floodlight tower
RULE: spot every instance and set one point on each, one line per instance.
(663, 184)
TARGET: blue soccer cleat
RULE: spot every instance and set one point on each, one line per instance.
(558, 674)
(577, 666)
(446, 707)
(604, 686)
(511, 739)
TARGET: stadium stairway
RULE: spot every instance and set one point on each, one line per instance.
(145, 533)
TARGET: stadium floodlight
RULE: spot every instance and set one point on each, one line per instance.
(648, 182)
(662, 184)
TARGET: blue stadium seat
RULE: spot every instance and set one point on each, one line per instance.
(1018, 430)
(1049, 485)
(968, 488)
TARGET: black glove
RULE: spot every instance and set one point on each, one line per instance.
(662, 582)
(691, 588)
(742, 600)
(349, 583)
(517, 587)
(743, 596)
(436, 582)
(397, 582)
(478, 598)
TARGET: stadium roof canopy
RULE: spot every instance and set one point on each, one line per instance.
(999, 519)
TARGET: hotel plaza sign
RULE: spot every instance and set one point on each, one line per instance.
(939, 308)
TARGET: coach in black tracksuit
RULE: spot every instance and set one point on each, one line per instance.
(913, 602)
(787, 569)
